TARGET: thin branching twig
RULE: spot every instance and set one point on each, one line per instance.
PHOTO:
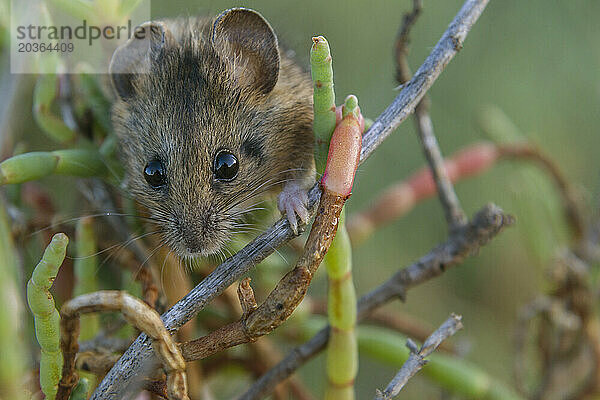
(417, 360)
(455, 216)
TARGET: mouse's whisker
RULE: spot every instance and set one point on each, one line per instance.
(255, 204)
(256, 186)
(190, 264)
(120, 247)
(254, 192)
(242, 225)
(61, 222)
(162, 270)
(117, 245)
(247, 194)
(156, 249)
(246, 211)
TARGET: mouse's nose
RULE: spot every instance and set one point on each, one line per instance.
(192, 238)
(201, 235)
(198, 231)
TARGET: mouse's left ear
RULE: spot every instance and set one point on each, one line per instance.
(245, 38)
(135, 56)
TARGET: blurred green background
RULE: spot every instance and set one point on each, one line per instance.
(537, 60)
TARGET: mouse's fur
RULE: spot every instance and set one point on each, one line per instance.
(193, 87)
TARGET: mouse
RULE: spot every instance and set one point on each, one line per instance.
(211, 115)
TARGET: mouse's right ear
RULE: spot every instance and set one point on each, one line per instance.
(137, 54)
(246, 39)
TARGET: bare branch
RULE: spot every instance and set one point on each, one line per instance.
(484, 226)
(417, 360)
(135, 312)
(404, 104)
(455, 216)
(139, 356)
(402, 41)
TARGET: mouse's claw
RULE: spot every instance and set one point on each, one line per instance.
(293, 201)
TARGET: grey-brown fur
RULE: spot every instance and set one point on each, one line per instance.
(198, 93)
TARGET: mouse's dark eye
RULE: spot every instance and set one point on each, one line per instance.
(226, 166)
(155, 174)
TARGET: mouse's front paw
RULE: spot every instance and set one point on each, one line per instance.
(293, 201)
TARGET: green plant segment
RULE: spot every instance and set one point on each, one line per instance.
(538, 200)
(321, 71)
(46, 91)
(342, 351)
(80, 392)
(98, 104)
(12, 348)
(85, 268)
(46, 316)
(36, 165)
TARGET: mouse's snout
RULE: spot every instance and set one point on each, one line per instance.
(192, 239)
(202, 233)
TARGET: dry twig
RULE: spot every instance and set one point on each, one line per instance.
(417, 360)
(138, 314)
(568, 334)
(455, 216)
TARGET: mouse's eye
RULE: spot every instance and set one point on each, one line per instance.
(226, 166)
(155, 174)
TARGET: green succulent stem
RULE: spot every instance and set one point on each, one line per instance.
(342, 349)
(85, 268)
(97, 102)
(323, 99)
(13, 352)
(351, 107)
(46, 317)
(77, 8)
(45, 92)
(81, 390)
(35, 165)
(453, 374)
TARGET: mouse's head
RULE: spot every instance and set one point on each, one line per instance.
(204, 126)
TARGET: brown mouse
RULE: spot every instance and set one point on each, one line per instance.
(211, 115)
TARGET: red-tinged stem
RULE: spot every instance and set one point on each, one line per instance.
(473, 160)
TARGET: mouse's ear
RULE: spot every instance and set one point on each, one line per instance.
(248, 41)
(136, 55)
